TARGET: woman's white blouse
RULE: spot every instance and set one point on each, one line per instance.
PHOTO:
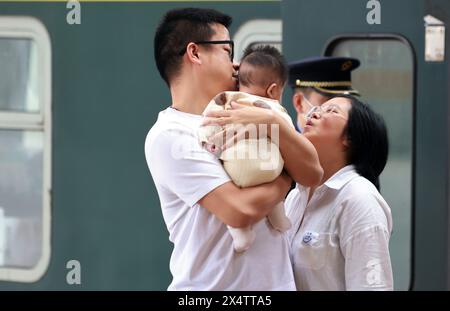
(340, 239)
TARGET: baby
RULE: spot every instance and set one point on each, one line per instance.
(255, 160)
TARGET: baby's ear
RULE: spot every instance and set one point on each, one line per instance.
(273, 91)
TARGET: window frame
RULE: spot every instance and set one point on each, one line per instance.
(329, 46)
(255, 31)
(30, 28)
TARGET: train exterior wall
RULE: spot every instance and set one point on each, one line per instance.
(106, 95)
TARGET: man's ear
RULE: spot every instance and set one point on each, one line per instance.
(192, 52)
(273, 91)
(297, 101)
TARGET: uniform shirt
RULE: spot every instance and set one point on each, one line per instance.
(340, 239)
(203, 257)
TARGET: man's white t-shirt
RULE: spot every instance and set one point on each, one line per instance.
(203, 257)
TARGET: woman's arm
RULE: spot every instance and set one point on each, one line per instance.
(367, 260)
(364, 233)
(300, 157)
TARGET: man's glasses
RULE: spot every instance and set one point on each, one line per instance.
(230, 42)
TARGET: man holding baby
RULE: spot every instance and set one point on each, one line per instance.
(193, 53)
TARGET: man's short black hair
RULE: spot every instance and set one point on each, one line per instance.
(265, 57)
(177, 29)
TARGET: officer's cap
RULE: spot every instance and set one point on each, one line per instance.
(329, 75)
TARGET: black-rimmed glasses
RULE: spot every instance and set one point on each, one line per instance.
(230, 42)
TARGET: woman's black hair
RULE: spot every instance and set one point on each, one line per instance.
(368, 140)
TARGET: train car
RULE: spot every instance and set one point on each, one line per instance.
(79, 90)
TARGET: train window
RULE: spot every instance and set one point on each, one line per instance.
(385, 80)
(18, 89)
(258, 31)
(25, 149)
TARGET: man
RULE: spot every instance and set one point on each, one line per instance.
(193, 54)
(316, 80)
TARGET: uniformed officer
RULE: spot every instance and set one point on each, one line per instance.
(316, 80)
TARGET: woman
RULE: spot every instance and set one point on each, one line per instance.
(341, 228)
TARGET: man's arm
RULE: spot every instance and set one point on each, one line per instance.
(241, 207)
(180, 165)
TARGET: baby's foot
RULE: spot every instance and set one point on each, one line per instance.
(282, 224)
(278, 218)
(242, 242)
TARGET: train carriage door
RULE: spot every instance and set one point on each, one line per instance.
(403, 76)
(385, 80)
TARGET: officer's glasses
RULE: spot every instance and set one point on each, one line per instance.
(311, 106)
(230, 42)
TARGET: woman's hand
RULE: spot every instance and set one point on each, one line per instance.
(241, 122)
(231, 134)
(240, 114)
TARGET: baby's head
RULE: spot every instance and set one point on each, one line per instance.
(263, 72)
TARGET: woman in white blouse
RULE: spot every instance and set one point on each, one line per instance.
(341, 231)
(341, 228)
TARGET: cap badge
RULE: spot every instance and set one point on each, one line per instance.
(346, 66)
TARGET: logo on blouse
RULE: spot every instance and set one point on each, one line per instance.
(310, 237)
